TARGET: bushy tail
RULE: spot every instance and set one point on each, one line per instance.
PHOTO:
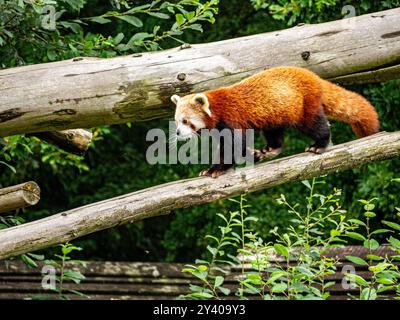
(347, 106)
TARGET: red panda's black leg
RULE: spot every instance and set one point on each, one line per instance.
(224, 162)
(317, 129)
(274, 146)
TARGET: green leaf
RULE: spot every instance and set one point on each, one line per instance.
(369, 214)
(9, 166)
(378, 231)
(159, 15)
(132, 20)
(201, 295)
(392, 225)
(195, 288)
(138, 38)
(280, 249)
(225, 291)
(359, 280)
(75, 276)
(278, 288)
(385, 281)
(190, 15)
(355, 235)
(307, 184)
(218, 281)
(202, 268)
(200, 274)
(395, 243)
(180, 19)
(305, 271)
(52, 55)
(357, 260)
(374, 257)
(39, 257)
(275, 276)
(373, 244)
(196, 27)
(28, 261)
(119, 38)
(369, 207)
(212, 250)
(250, 219)
(358, 222)
(100, 20)
(368, 294)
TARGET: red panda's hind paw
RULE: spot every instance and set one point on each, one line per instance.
(316, 150)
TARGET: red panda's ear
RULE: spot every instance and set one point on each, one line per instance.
(202, 100)
(175, 98)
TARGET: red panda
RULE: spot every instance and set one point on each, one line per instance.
(272, 100)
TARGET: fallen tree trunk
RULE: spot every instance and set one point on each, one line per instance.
(75, 141)
(162, 199)
(89, 92)
(19, 196)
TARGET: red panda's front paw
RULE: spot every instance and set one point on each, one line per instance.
(314, 149)
(212, 172)
(266, 153)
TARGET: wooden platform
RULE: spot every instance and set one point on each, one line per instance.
(137, 280)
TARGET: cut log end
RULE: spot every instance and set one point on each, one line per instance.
(75, 141)
(19, 196)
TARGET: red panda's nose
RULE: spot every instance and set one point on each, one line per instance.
(178, 132)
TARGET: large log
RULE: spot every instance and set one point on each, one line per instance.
(88, 92)
(19, 196)
(162, 199)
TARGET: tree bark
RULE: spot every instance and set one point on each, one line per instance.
(88, 92)
(75, 141)
(19, 196)
(162, 199)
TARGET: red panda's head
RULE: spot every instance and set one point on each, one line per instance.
(191, 115)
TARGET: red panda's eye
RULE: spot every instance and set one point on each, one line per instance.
(184, 121)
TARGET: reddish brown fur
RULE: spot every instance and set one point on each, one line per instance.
(288, 96)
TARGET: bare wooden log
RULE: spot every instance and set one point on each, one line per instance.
(162, 199)
(74, 141)
(19, 196)
(373, 76)
(90, 92)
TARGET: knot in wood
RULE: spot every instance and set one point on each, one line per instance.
(305, 55)
(181, 76)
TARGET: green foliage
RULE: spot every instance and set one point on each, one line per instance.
(385, 270)
(295, 263)
(47, 30)
(61, 262)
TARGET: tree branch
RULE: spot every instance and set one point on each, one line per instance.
(162, 199)
(19, 196)
(75, 141)
(93, 92)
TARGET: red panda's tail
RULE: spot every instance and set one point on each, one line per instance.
(347, 106)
